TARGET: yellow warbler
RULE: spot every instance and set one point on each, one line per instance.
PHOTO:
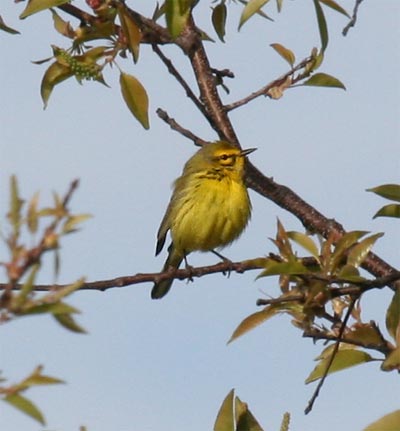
(209, 207)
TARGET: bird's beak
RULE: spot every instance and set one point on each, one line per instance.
(247, 152)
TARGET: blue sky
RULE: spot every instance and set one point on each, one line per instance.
(151, 365)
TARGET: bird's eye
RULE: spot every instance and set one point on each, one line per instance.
(224, 157)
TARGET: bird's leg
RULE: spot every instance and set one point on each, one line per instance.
(188, 267)
(225, 259)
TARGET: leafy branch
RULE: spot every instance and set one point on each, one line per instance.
(13, 394)
(25, 261)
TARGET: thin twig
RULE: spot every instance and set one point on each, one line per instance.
(354, 287)
(358, 287)
(353, 20)
(84, 17)
(34, 254)
(175, 73)
(385, 347)
(264, 90)
(224, 73)
(332, 357)
(281, 299)
(178, 128)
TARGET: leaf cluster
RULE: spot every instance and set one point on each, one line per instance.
(18, 298)
(235, 415)
(13, 394)
(321, 292)
(25, 260)
(392, 193)
(120, 31)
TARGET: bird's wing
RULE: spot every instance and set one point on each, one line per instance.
(162, 231)
(180, 185)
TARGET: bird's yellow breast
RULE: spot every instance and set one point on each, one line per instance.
(211, 212)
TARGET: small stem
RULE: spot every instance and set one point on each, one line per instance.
(178, 128)
(332, 357)
(353, 20)
(275, 83)
(174, 72)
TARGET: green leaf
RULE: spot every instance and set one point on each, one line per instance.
(71, 223)
(344, 358)
(283, 268)
(350, 274)
(218, 18)
(131, 31)
(26, 406)
(68, 322)
(368, 334)
(159, 11)
(392, 362)
(393, 316)
(177, 13)
(6, 28)
(136, 98)
(65, 291)
(345, 242)
(388, 191)
(324, 80)
(359, 252)
(43, 380)
(389, 422)
(35, 6)
(256, 319)
(285, 53)
(37, 379)
(252, 7)
(323, 29)
(335, 6)
(99, 30)
(285, 422)
(53, 76)
(391, 210)
(54, 308)
(282, 242)
(252, 321)
(304, 241)
(225, 417)
(279, 5)
(26, 288)
(63, 27)
(14, 215)
(245, 420)
(32, 218)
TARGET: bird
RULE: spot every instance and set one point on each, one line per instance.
(209, 207)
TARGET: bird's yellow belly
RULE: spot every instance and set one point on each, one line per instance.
(212, 214)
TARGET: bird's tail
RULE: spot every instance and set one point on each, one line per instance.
(173, 261)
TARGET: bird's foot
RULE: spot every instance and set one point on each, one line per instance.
(226, 260)
(190, 269)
